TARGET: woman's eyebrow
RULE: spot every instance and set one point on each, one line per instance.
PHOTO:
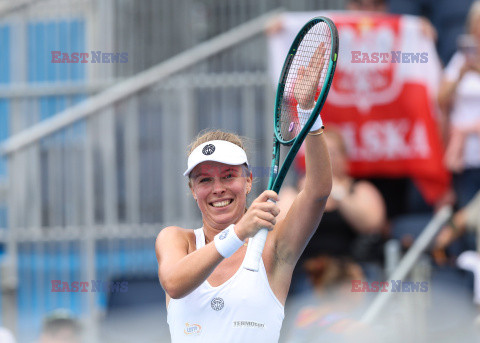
(229, 169)
(194, 176)
(206, 173)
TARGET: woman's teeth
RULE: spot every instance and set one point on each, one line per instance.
(221, 203)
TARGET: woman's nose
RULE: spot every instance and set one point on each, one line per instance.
(218, 186)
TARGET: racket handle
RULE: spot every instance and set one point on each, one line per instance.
(255, 250)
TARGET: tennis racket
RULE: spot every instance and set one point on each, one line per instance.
(307, 72)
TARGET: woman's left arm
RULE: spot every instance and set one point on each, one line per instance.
(292, 234)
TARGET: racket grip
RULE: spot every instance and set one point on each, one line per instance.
(255, 250)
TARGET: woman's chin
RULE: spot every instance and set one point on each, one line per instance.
(224, 219)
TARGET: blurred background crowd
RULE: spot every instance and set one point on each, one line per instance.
(92, 155)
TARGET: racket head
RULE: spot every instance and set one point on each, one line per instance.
(287, 130)
(317, 31)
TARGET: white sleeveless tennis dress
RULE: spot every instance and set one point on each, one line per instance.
(244, 309)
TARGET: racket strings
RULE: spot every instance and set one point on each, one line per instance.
(309, 64)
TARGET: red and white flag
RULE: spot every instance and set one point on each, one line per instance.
(382, 97)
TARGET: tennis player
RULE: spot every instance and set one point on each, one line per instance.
(210, 296)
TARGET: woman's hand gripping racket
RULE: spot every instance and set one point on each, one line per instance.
(308, 70)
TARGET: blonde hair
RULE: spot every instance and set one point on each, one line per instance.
(208, 135)
(473, 16)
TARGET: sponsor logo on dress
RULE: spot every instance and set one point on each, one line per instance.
(192, 329)
(217, 304)
(248, 324)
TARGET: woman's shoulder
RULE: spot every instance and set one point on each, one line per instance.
(175, 233)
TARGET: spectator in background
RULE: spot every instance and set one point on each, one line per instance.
(355, 208)
(381, 6)
(332, 312)
(465, 220)
(60, 327)
(400, 194)
(447, 17)
(6, 336)
(367, 5)
(459, 98)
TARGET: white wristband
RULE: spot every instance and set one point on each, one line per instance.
(303, 117)
(227, 242)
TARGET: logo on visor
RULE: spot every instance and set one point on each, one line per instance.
(208, 149)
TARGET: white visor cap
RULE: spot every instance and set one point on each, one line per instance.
(217, 151)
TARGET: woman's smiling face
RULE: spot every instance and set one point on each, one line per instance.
(221, 192)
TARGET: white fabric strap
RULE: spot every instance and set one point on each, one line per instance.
(303, 116)
(227, 242)
(217, 151)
